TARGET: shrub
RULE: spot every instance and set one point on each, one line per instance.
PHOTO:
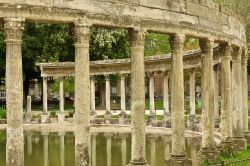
(3, 114)
(53, 114)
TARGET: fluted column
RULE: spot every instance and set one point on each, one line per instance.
(226, 94)
(237, 100)
(123, 100)
(82, 93)
(245, 92)
(207, 85)
(166, 93)
(177, 98)
(92, 83)
(138, 152)
(152, 93)
(13, 28)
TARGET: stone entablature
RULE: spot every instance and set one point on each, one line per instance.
(192, 59)
(203, 19)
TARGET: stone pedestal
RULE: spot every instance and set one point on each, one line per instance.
(210, 154)
(179, 161)
(240, 143)
(44, 118)
(60, 116)
(247, 136)
(122, 117)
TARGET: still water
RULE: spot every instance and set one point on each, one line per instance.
(57, 149)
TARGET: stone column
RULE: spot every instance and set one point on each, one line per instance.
(82, 93)
(178, 154)
(167, 141)
(138, 152)
(245, 92)
(28, 115)
(45, 116)
(61, 114)
(192, 99)
(107, 98)
(226, 94)
(124, 149)
(208, 147)
(36, 88)
(62, 148)
(216, 97)
(93, 152)
(92, 84)
(108, 148)
(123, 99)
(152, 93)
(13, 28)
(238, 133)
(166, 94)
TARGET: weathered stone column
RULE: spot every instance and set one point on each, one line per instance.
(13, 28)
(45, 115)
(192, 100)
(36, 88)
(28, 115)
(82, 93)
(226, 94)
(123, 99)
(93, 152)
(92, 84)
(166, 94)
(178, 154)
(245, 92)
(138, 152)
(238, 136)
(152, 93)
(216, 97)
(107, 98)
(62, 148)
(208, 147)
(61, 114)
(167, 141)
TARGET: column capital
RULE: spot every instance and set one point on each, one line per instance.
(244, 57)
(123, 76)
(107, 77)
(92, 78)
(176, 40)
(237, 53)
(166, 73)
(206, 45)
(45, 78)
(82, 33)
(137, 36)
(13, 27)
(150, 74)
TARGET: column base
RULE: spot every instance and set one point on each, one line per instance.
(179, 161)
(132, 163)
(151, 118)
(44, 118)
(93, 115)
(247, 136)
(60, 117)
(227, 146)
(210, 154)
(240, 143)
(107, 116)
(122, 117)
(217, 122)
(28, 117)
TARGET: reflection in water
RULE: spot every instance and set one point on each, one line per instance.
(107, 149)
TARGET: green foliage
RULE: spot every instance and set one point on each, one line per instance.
(3, 114)
(53, 114)
(156, 44)
(68, 85)
(2, 137)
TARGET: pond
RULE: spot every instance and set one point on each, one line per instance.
(108, 149)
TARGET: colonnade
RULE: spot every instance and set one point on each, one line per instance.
(14, 86)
